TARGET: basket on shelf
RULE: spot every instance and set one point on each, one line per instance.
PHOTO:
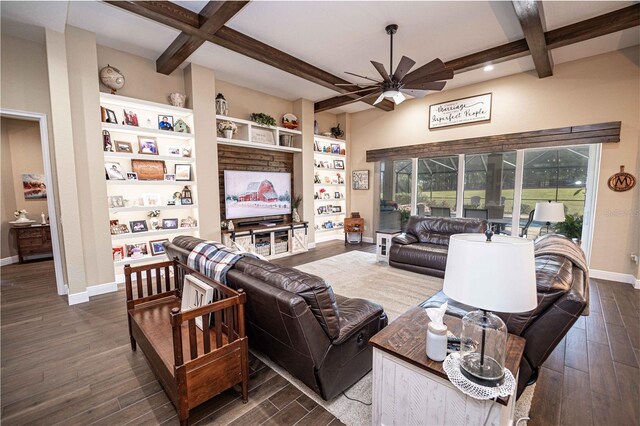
(263, 249)
(281, 247)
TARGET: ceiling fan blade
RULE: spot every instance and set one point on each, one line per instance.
(434, 67)
(380, 99)
(446, 74)
(358, 91)
(403, 68)
(380, 68)
(434, 85)
(415, 93)
(361, 76)
(399, 98)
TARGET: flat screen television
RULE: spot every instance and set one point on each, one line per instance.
(255, 194)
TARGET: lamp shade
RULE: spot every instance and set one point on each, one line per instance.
(549, 212)
(497, 275)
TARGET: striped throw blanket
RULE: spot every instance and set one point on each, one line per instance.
(213, 259)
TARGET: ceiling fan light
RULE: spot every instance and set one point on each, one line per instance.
(399, 98)
(390, 93)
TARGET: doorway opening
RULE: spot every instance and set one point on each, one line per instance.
(27, 186)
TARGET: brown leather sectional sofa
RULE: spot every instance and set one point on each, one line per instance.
(424, 245)
(562, 297)
(296, 319)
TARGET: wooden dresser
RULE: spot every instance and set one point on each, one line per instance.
(32, 240)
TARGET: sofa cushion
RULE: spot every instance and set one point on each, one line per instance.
(421, 254)
(353, 314)
(436, 230)
(315, 291)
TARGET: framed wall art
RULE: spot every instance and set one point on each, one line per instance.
(149, 169)
(474, 109)
(360, 179)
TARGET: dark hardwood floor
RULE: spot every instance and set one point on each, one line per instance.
(74, 366)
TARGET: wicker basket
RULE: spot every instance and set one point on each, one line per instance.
(263, 250)
(281, 247)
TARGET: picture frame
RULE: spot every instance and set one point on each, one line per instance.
(186, 151)
(149, 169)
(151, 199)
(110, 116)
(135, 250)
(130, 118)
(338, 164)
(132, 176)
(156, 246)
(336, 209)
(175, 151)
(165, 122)
(117, 253)
(125, 147)
(170, 177)
(189, 222)
(183, 172)
(360, 179)
(116, 201)
(113, 170)
(186, 201)
(335, 148)
(195, 294)
(138, 226)
(147, 145)
(170, 223)
(118, 228)
(337, 195)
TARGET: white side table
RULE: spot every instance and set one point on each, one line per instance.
(383, 243)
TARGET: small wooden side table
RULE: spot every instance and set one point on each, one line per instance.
(411, 389)
(383, 243)
(353, 225)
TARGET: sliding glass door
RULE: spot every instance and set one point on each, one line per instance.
(437, 186)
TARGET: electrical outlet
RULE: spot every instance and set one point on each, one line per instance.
(634, 258)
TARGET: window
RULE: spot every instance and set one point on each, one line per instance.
(395, 193)
(489, 180)
(437, 184)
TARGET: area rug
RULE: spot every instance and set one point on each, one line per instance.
(358, 274)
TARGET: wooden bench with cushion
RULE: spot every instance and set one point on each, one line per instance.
(191, 364)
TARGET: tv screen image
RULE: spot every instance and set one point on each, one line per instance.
(253, 194)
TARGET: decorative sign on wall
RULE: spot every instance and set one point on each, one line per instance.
(622, 181)
(262, 136)
(460, 111)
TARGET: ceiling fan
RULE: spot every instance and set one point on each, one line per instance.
(393, 86)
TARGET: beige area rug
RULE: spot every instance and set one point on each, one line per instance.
(358, 274)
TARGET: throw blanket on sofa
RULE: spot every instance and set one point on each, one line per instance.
(559, 244)
(213, 259)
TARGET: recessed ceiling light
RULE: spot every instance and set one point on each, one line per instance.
(488, 68)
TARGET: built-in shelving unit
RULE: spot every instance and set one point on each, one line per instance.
(253, 135)
(329, 157)
(131, 200)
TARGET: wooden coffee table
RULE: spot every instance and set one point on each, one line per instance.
(410, 389)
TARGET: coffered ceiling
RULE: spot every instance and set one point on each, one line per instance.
(334, 36)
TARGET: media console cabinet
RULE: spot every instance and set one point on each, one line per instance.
(272, 242)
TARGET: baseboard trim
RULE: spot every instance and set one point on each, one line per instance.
(615, 276)
(95, 290)
(77, 298)
(9, 260)
(367, 240)
(311, 245)
(92, 290)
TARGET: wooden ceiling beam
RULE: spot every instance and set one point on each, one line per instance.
(188, 22)
(212, 17)
(529, 13)
(618, 20)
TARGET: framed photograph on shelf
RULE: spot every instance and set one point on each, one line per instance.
(338, 164)
(195, 293)
(117, 253)
(147, 145)
(170, 223)
(186, 151)
(337, 195)
(157, 247)
(114, 170)
(336, 209)
(118, 228)
(183, 172)
(360, 179)
(175, 151)
(108, 116)
(136, 250)
(116, 201)
(151, 199)
(188, 223)
(138, 226)
(132, 176)
(335, 148)
(165, 122)
(130, 118)
(186, 201)
(123, 147)
(149, 169)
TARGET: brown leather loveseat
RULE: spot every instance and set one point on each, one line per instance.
(563, 295)
(424, 245)
(295, 318)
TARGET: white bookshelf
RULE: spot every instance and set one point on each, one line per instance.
(134, 192)
(243, 136)
(327, 222)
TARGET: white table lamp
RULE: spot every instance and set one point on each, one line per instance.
(497, 275)
(549, 212)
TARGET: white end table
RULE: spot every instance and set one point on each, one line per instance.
(383, 243)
